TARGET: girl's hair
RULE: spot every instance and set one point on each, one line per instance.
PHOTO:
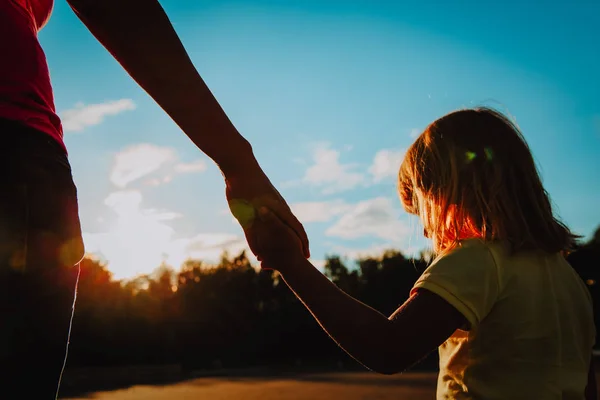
(471, 174)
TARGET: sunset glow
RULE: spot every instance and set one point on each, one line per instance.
(141, 239)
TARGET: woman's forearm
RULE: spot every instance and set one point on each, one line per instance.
(361, 331)
(140, 36)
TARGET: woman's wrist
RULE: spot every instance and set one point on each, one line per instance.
(237, 160)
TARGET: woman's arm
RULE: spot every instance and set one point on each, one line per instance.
(140, 36)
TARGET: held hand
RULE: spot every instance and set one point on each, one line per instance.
(277, 245)
(250, 190)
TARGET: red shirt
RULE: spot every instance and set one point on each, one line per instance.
(25, 90)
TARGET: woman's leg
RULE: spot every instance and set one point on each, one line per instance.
(35, 340)
(40, 241)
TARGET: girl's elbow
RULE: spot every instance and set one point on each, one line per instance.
(393, 365)
(389, 368)
(388, 371)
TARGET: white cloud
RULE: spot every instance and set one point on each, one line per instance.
(141, 238)
(194, 166)
(375, 217)
(137, 161)
(386, 164)
(329, 174)
(82, 116)
(145, 159)
(415, 132)
(210, 247)
(138, 241)
(319, 211)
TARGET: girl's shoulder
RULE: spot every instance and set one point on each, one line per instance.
(497, 255)
(471, 251)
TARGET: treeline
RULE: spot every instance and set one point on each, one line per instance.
(226, 315)
(231, 315)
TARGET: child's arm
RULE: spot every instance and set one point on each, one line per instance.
(591, 391)
(386, 345)
(140, 37)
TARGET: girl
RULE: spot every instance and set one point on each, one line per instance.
(511, 318)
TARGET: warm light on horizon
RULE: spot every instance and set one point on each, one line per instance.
(141, 240)
(138, 242)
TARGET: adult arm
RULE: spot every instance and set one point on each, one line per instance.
(141, 38)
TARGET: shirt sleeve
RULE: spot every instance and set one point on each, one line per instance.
(467, 278)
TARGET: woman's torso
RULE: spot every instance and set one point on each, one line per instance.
(25, 90)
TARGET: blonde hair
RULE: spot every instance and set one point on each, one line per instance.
(471, 174)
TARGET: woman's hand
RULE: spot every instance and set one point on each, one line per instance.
(250, 190)
(277, 246)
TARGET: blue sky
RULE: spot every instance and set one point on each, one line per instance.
(330, 94)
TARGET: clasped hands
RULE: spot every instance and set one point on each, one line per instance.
(274, 234)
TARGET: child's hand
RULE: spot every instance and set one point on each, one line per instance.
(278, 246)
(251, 189)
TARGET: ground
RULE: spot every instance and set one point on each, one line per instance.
(261, 386)
(348, 386)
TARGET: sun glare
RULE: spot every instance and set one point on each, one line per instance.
(140, 240)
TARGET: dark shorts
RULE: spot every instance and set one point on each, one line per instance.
(40, 243)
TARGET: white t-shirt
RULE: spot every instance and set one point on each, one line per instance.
(531, 324)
